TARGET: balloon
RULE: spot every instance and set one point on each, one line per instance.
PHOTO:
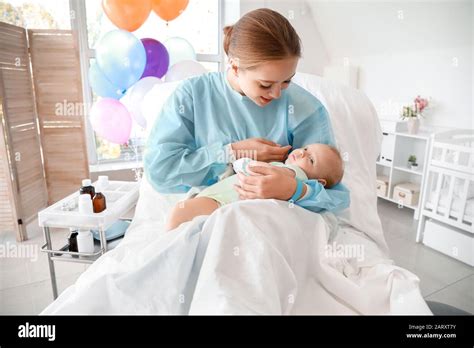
(153, 103)
(179, 49)
(127, 14)
(157, 58)
(183, 70)
(111, 120)
(135, 95)
(101, 85)
(169, 9)
(121, 57)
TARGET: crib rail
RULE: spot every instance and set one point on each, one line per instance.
(453, 150)
(452, 188)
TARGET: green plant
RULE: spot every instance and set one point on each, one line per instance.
(412, 159)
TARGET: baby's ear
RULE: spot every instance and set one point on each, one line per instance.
(323, 182)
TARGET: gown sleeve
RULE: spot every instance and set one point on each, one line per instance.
(309, 128)
(172, 162)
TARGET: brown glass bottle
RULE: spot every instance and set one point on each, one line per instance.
(99, 201)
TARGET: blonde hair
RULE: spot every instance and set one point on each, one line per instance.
(259, 36)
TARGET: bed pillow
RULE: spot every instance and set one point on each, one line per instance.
(359, 136)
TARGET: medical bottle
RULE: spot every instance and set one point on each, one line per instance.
(87, 188)
(72, 239)
(85, 241)
(99, 202)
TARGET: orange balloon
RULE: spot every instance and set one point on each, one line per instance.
(127, 14)
(169, 9)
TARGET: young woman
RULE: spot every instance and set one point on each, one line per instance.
(252, 109)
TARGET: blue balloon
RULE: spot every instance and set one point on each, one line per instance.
(101, 85)
(121, 57)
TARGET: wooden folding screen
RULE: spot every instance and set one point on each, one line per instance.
(8, 187)
(43, 154)
(22, 168)
(58, 90)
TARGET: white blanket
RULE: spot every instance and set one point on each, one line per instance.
(243, 260)
(261, 256)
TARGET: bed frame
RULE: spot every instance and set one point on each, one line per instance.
(450, 169)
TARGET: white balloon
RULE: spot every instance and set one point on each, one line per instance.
(179, 49)
(134, 98)
(184, 70)
(154, 101)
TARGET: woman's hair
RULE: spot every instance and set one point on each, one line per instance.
(259, 36)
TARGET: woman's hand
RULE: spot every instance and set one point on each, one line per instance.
(266, 182)
(260, 149)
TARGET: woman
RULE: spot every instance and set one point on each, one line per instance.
(251, 110)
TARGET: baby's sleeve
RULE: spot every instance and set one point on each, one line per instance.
(240, 165)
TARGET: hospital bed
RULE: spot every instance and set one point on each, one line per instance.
(258, 256)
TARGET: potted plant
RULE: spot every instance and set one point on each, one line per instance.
(412, 162)
(413, 113)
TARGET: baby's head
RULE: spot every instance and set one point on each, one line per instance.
(320, 162)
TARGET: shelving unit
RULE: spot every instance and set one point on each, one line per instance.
(397, 146)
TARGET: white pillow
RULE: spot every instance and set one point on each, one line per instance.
(359, 137)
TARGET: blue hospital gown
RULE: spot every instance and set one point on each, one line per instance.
(204, 114)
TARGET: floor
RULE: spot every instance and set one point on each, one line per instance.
(442, 278)
(25, 286)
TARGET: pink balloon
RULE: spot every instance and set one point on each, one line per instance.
(111, 120)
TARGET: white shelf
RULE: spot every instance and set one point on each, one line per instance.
(420, 135)
(398, 146)
(395, 201)
(408, 170)
(121, 196)
(383, 164)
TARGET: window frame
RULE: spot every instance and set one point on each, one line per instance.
(79, 24)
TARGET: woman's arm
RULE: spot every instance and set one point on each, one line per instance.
(173, 163)
(274, 182)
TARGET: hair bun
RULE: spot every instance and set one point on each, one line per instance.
(227, 35)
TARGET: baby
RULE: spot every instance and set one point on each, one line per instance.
(316, 161)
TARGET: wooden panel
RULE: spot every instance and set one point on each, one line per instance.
(7, 219)
(27, 182)
(58, 90)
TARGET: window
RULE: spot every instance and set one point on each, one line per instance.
(36, 14)
(199, 24)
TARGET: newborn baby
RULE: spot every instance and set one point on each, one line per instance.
(316, 161)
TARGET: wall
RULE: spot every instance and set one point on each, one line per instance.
(315, 56)
(403, 49)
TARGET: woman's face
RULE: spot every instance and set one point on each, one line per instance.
(265, 82)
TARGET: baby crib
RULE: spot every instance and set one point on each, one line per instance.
(447, 211)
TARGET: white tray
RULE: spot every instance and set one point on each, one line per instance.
(120, 197)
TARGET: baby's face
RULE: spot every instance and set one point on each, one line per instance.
(311, 159)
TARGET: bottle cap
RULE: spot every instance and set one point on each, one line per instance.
(104, 181)
(98, 187)
(86, 182)
(83, 230)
